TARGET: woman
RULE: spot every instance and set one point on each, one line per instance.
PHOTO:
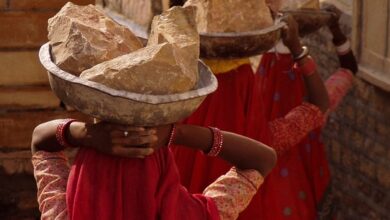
(146, 188)
(302, 173)
(237, 106)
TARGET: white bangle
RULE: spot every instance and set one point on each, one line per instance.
(305, 52)
(344, 48)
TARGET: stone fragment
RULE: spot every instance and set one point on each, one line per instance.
(177, 26)
(231, 15)
(82, 36)
(141, 12)
(155, 69)
(277, 5)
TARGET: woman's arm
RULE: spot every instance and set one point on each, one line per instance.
(317, 94)
(242, 152)
(344, 52)
(114, 139)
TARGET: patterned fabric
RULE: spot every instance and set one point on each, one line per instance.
(291, 129)
(338, 84)
(231, 193)
(51, 172)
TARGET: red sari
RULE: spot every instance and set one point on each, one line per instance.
(111, 188)
(236, 106)
(297, 185)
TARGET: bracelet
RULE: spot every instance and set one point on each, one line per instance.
(172, 135)
(344, 48)
(304, 53)
(306, 69)
(217, 142)
(61, 132)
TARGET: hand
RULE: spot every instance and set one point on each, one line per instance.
(290, 35)
(113, 139)
(335, 16)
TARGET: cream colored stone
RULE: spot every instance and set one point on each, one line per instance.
(141, 12)
(82, 36)
(177, 26)
(231, 15)
(277, 5)
(155, 69)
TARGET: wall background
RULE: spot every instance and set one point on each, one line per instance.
(357, 135)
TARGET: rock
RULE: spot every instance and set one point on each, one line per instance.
(82, 36)
(278, 5)
(155, 69)
(232, 15)
(141, 12)
(178, 27)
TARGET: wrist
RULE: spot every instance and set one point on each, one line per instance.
(76, 134)
(296, 49)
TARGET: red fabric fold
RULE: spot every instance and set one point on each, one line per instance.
(236, 106)
(110, 188)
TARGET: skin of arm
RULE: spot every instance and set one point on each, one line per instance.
(317, 94)
(348, 60)
(238, 150)
(104, 137)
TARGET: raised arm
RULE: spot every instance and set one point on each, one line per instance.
(316, 91)
(242, 152)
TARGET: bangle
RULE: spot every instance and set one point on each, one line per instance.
(61, 132)
(302, 55)
(306, 69)
(344, 48)
(217, 142)
(172, 135)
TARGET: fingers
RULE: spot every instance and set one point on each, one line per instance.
(120, 151)
(134, 140)
(134, 132)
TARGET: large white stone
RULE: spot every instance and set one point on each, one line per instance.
(231, 15)
(82, 36)
(155, 69)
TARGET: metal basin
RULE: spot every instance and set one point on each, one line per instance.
(309, 20)
(237, 45)
(123, 107)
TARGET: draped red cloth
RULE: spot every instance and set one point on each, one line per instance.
(297, 184)
(236, 106)
(110, 188)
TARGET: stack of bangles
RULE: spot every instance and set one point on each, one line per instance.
(307, 68)
(61, 132)
(344, 48)
(217, 142)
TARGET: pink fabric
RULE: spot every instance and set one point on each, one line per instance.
(291, 129)
(112, 188)
(338, 84)
(51, 172)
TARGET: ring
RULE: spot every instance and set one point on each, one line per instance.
(125, 133)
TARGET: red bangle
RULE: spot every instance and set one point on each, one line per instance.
(217, 142)
(306, 69)
(61, 132)
(172, 135)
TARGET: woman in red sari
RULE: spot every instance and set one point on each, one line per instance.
(102, 185)
(237, 106)
(302, 174)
